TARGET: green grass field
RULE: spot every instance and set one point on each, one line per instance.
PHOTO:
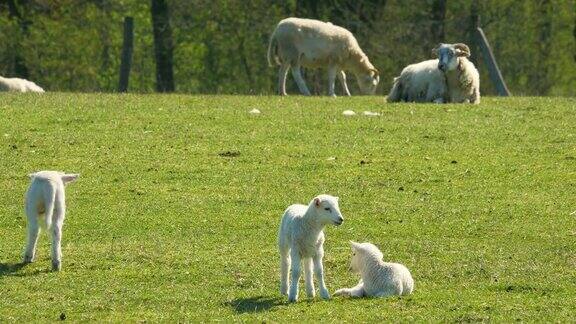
(175, 214)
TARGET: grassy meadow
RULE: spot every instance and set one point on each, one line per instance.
(175, 214)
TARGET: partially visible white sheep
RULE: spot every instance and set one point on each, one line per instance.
(46, 199)
(301, 238)
(378, 278)
(312, 43)
(450, 78)
(18, 85)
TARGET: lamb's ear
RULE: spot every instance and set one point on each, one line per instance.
(462, 49)
(317, 202)
(355, 245)
(66, 178)
(435, 51)
(31, 175)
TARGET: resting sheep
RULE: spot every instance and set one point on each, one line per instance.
(45, 201)
(450, 78)
(378, 278)
(18, 85)
(311, 43)
(301, 238)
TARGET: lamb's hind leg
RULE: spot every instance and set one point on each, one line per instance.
(284, 268)
(57, 223)
(332, 70)
(33, 231)
(308, 277)
(283, 71)
(300, 80)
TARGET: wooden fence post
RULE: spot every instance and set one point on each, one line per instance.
(127, 48)
(491, 64)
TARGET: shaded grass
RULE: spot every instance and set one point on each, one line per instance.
(176, 211)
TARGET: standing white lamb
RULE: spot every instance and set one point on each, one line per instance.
(450, 78)
(45, 201)
(18, 85)
(301, 238)
(312, 43)
(378, 278)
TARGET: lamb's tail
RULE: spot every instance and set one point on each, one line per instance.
(272, 50)
(396, 92)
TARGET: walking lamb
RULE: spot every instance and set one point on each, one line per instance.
(378, 278)
(45, 201)
(301, 238)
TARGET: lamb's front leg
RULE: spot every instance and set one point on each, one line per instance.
(356, 291)
(308, 277)
(319, 271)
(295, 275)
(342, 78)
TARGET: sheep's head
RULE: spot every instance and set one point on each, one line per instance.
(368, 82)
(361, 252)
(66, 177)
(448, 55)
(327, 209)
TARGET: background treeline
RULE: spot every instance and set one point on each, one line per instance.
(219, 46)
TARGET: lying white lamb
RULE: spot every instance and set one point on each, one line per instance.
(378, 278)
(301, 238)
(312, 43)
(18, 85)
(45, 202)
(450, 78)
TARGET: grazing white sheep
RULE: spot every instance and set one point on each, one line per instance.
(450, 78)
(18, 85)
(311, 43)
(301, 238)
(378, 278)
(45, 199)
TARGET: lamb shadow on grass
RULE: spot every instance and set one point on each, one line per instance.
(254, 304)
(14, 270)
(10, 269)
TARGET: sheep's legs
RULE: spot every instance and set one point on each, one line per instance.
(284, 267)
(282, 79)
(308, 277)
(33, 231)
(319, 271)
(342, 79)
(295, 276)
(299, 80)
(332, 71)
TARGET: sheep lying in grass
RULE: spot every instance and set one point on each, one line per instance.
(18, 85)
(45, 199)
(312, 43)
(301, 238)
(450, 78)
(378, 278)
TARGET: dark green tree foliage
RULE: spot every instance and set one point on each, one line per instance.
(219, 46)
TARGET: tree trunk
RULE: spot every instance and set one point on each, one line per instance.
(541, 76)
(473, 24)
(438, 17)
(19, 68)
(163, 46)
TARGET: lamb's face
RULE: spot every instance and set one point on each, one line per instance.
(327, 210)
(369, 82)
(356, 259)
(449, 54)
